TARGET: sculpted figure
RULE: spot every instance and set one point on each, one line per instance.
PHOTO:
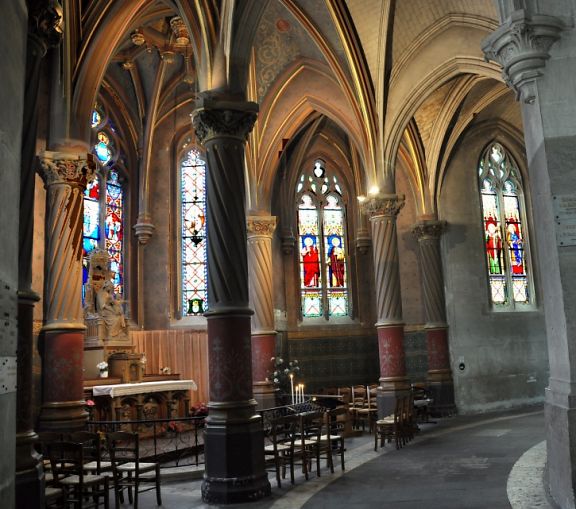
(111, 312)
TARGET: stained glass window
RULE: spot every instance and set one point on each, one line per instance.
(104, 211)
(193, 196)
(322, 243)
(113, 226)
(504, 231)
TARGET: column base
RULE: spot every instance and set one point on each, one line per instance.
(264, 394)
(29, 478)
(391, 388)
(63, 416)
(441, 387)
(234, 451)
(560, 412)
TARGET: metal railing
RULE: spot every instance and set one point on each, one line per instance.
(174, 442)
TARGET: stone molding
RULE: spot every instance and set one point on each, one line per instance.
(429, 229)
(215, 118)
(521, 46)
(263, 226)
(382, 205)
(143, 230)
(66, 168)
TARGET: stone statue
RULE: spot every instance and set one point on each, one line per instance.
(111, 313)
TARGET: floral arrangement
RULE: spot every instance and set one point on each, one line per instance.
(102, 366)
(90, 402)
(166, 370)
(281, 372)
(199, 410)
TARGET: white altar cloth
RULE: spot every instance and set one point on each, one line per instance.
(143, 388)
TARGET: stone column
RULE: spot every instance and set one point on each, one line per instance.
(65, 176)
(542, 74)
(440, 380)
(234, 440)
(382, 210)
(44, 32)
(260, 231)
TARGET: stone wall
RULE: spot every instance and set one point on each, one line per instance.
(504, 353)
(13, 30)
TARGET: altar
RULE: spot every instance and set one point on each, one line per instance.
(147, 400)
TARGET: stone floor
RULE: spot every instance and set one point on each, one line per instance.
(486, 461)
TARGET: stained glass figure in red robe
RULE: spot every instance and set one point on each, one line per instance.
(336, 263)
(310, 262)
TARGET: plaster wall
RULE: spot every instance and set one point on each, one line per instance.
(504, 353)
(13, 32)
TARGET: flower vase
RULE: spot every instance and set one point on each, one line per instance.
(104, 373)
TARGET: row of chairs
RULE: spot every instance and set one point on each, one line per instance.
(361, 401)
(300, 439)
(78, 467)
(399, 426)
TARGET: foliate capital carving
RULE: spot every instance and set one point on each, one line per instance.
(216, 118)
(520, 45)
(261, 226)
(46, 23)
(382, 205)
(429, 229)
(65, 168)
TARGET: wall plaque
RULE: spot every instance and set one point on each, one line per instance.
(565, 218)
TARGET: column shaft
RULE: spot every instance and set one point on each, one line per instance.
(65, 176)
(234, 440)
(440, 380)
(383, 210)
(260, 231)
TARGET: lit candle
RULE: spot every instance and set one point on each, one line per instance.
(302, 393)
(292, 386)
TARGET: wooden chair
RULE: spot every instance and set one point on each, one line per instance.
(93, 446)
(53, 497)
(368, 412)
(279, 443)
(127, 469)
(80, 489)
(390, 427)
(333, 438)
(307, 441)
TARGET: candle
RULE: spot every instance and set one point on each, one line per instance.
(292, 386)
(302, 393)
(368, 392)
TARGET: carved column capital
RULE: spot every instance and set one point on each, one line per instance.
(65, 168)
(260, 226)
(425, 230)
(382, 205)
(217, 117)
(521, 46)
(45, 23)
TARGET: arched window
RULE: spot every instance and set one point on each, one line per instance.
(322, 244)
(104, 208)
(193, 199)
(505, 232)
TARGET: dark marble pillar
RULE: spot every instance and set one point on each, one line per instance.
(65, 175)
(440, 380)
(234, 439)
(44, 31)
(383, 210)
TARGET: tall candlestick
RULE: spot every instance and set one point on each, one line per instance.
(292, 386)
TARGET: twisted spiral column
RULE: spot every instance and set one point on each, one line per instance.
(440, 379)
(233, 429)
(260, 231)
(383, 210)
(65, 176)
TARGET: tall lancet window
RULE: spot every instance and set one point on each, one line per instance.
(193, 197)
(505, 233)
(104, 206)
(322, 243)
